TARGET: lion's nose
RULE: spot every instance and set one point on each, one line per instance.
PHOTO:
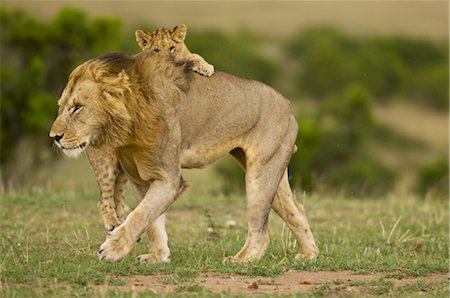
(57, 138)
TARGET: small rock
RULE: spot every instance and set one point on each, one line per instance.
(230, 223)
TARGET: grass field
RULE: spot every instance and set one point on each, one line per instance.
(393, 246)
(389, 246)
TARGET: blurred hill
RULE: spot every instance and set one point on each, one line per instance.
(425, 19)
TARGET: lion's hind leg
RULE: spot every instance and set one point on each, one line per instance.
(262, 179)
(293, 214)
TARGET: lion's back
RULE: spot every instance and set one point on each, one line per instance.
(225, 109)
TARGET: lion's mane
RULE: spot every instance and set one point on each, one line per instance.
(136, 92)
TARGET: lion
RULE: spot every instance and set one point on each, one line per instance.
(110, 179)
(171, 42)
(158, 117)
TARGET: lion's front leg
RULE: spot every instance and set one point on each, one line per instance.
(120, 242)
(159, 251)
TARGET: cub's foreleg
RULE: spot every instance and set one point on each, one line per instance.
(119, 195)
(201, 66)
(111, 182)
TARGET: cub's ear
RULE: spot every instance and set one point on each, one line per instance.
(142, 38)
(179, 33)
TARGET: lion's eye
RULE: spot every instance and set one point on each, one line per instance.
(172, 49)
(75, 108)
(156, 50)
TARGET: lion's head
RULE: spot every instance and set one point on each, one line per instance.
(92, 109)
(116, 100)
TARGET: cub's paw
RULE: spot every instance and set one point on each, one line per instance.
(153, 258)
(111, 224)
(118, 244)
(109, 230)
(205, 70)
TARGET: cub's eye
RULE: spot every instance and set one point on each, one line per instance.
(75, 108)
(172, 49)
(156, 50)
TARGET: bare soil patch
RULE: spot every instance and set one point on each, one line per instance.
(290, 282)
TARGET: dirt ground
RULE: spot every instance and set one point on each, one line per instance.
(290, 282)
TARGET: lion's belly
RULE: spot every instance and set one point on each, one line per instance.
(196, 157)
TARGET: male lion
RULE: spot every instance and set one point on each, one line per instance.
(110, 177)
(158, 117)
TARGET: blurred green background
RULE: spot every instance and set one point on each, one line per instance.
(369, 82)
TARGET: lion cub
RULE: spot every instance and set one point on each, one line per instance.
(171, 42)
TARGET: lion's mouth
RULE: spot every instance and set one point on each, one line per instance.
(75, 151)
(82, 146)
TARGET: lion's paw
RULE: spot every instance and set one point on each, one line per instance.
(204, 70)
(307, 255)
(230, 260)
(153, 258)
(118, 244)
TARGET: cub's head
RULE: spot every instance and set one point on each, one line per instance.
(92, 110)
(164, 41)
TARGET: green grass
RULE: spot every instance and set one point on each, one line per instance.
(48, 243)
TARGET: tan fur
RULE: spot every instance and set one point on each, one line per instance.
(171, 119)
(171, 42)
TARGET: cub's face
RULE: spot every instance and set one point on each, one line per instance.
(80, 119)
(163, 41)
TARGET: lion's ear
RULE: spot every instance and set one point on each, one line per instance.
(179, 33)
(142, 38)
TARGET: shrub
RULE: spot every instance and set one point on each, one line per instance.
(333, 154)
(329, 61)
(233, 177)
(37, 58)
(362, 178)
(324, 56)
(434, 179)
